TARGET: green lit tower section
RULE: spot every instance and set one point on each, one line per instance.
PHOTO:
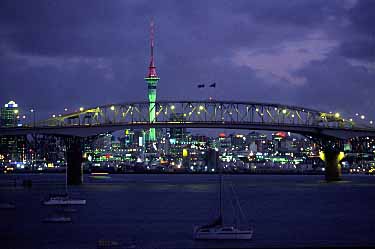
(152, 82)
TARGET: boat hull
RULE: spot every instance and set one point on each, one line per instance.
(65, 202)
(223, 236)
(218, 234)
(58, 220)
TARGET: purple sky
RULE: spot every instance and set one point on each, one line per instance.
(69, 53)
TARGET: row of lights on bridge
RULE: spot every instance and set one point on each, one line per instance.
(362, 117)
(201, 108)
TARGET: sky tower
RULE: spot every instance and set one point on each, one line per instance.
(152, 82)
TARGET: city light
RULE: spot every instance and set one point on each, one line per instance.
(112, 108)
(337, 115)
(362, 116)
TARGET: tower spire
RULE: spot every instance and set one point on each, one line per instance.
(152, 68)
(152, 83)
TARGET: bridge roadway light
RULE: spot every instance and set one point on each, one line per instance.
(284, 111)
(371, 121)
(172, 107)
(81, 109)
(66, 109)
(201, 107)
(350, 119)
(54, 116)
(362, 116)
(112, 108)
(33, 112)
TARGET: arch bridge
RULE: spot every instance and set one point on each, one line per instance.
(327, 128)
(198, 114)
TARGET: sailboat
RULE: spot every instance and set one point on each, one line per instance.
(216, 230)
(63, 199)
(57, 219)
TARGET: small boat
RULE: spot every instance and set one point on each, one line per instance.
(57, 219)
(7, 206)
(217, 230)
(63, 199)
(69, 210)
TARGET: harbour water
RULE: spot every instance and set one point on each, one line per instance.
(159, 211)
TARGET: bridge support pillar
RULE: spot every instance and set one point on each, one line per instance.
(332, 160)
(74, 160)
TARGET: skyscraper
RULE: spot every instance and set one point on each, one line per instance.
(11, 147)
(8, 114)
(152, 82)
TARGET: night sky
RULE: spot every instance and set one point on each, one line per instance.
(69, 53)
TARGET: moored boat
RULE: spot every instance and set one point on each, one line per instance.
(63, 200)
(57, 219)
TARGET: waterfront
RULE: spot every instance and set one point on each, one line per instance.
(159, 211)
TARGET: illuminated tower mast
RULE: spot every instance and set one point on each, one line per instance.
(152, 82)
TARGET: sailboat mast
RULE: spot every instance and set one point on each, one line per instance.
(66, 178)
(221, 188)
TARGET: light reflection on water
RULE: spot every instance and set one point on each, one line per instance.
(159, 211)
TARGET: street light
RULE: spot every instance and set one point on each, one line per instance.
(81, 109)
(33, 112)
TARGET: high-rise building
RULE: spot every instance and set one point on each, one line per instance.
(9, 114)
(11, 148)
(152, 82)
(179, 135)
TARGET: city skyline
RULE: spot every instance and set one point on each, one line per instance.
(52, 58)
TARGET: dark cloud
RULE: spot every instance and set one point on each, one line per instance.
(57, 54)
(359, 39)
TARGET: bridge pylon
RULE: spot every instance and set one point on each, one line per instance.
(74, 159)
(331, 155)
